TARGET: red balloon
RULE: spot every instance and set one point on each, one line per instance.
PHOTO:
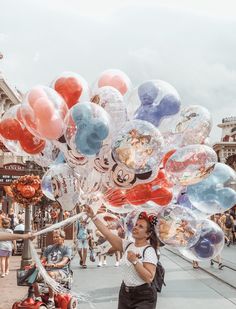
(113, 80)
(30, 143)
(70, 89)
(115, 197)
(11, 129)
(139, 194)
(161, 196)
(27, 191)
(167, 156)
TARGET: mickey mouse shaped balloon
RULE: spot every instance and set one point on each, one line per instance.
(72, 87)
(89, 126)
(158, 100)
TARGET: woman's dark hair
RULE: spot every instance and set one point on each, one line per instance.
(154, 240)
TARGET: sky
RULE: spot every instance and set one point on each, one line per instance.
(191, 44)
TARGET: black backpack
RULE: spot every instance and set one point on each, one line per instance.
(228, 222)
(158, 280)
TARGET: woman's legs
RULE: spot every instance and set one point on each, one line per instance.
(7, 265)
(3, 265)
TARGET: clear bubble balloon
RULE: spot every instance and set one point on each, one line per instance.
(112, 101)
(88, 127)
(61, 182)
(209, 244)
(191, 164)
(183, 200)
(177, 226)
(43, 112)
(47, 156)
(138, 146)
(156, 100)
(16, 137)
(46, 185)
(116, 79)
(195, 124)
(216, 193)
(72, 87)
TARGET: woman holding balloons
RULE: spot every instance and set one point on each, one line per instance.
(138, 262)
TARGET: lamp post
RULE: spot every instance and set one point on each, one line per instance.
(26, 258)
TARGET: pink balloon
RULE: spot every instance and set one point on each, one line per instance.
(115, 81)
(43, 109)
(52, 129)
(35, 94)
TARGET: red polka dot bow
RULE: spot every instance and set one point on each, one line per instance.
(151, 218)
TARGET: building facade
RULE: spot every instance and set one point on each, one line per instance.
(11, 166)
(226, 148)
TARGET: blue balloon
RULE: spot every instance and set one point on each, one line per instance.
(158, 100)
(215, 237)
(86, 145)
(101, 129)
(147, 93)
(204, 248)
(81, 113)
(214, 194)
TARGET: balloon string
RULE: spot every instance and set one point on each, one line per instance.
(57, 287)
(60, 224)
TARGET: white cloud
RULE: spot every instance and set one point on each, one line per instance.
(186, 43)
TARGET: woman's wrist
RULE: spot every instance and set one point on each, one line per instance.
(94, 217)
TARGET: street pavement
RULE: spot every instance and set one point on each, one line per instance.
(186, 287)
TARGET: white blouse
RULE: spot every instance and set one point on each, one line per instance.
(130, 275)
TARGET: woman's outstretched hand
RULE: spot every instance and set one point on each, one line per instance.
(89, 211)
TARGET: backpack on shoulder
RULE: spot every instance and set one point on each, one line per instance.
(228, 222)
(159, 278)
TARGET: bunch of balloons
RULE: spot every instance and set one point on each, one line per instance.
(126, 148)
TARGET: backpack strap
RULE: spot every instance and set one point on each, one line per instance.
(128, 246)
(147, 248)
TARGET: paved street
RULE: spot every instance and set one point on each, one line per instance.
(185, 288)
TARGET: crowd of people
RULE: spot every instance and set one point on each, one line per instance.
(95, 239)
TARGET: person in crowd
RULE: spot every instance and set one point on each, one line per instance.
(227, 224)
(216, 218)
(6, 247)
(2, 216)
(82, 241)
(54, 215)
(102, 259)
(56, 259)
(13, 219)
(20, 227)
(139, 266)
(195, 264)
(233, 214)
(36, 220)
